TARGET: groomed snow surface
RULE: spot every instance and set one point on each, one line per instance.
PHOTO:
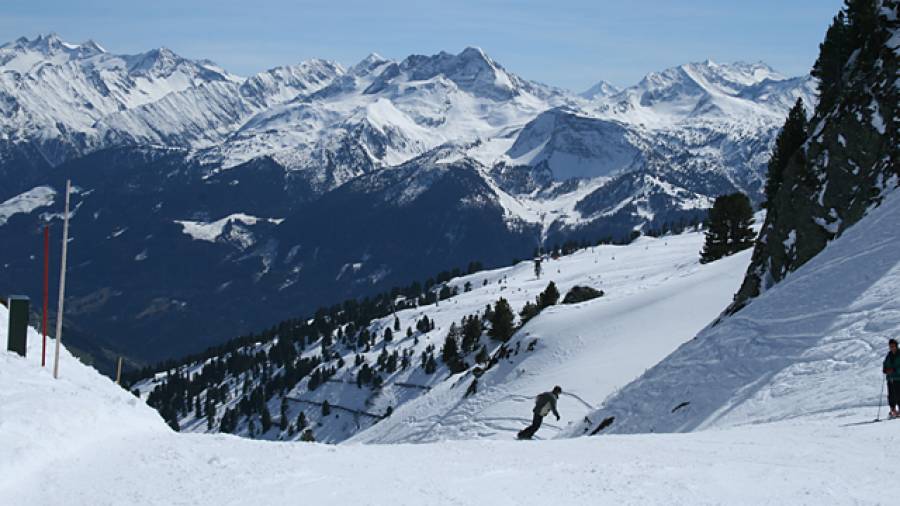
(81, 440)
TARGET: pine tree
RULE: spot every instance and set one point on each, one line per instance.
(482, 356)
(283, 422)
(471, 333)
(549, 297)
(301, 421)
(728, 228)
(396, 323)
(210, 416)
(833, 54)
(529, 311)
(789, 141)
(450, 351)
(326, 408)
(266, 419)
(307, 436)
(388, 335)
(502, 321)
(430, 365)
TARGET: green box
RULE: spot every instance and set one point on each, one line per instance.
(18, 324)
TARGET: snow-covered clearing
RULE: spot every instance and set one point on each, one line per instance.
(35, 198)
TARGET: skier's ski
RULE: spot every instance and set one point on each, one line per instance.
(868, 422)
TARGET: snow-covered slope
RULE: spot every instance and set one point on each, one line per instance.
(81, 440)
(42, 419)
(657, 296)
(810, 346)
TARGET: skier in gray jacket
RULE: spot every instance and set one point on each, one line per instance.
(544, 404)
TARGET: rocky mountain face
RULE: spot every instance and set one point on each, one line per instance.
(271, 195)
(851, 156)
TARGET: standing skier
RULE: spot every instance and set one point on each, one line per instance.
(544, 404)
(891, 368)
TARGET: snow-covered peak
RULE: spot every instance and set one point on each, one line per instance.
(24, 54)
(368, 65)
(705, 91)
(281, 84)
(472, 70)
(599, 90)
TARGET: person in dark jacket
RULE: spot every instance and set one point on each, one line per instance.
(891, 368)
(544, 404)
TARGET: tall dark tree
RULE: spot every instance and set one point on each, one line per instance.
(326, 408)
(471, 333)
(450, 354)
(549, 297)
(833, 54)
(529, 311)
(502, 319)
(787, 144)
(728, 228)
(283, 421)
(266, 419)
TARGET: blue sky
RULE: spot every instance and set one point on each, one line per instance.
(568, 43)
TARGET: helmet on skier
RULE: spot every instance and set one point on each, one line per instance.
(557, 390)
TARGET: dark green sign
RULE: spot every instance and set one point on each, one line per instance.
(18, 324)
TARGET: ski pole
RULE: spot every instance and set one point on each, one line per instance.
(881, 399)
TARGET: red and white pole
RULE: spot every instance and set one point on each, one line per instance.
(46, 293)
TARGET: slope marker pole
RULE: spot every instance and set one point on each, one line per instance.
(62, 281)
(46, 294)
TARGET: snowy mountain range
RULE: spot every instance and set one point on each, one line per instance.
(249, 178)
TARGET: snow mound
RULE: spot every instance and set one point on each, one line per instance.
(812, 345)
(43, 420)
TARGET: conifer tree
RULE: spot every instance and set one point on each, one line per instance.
(430, 365)
(396, 323)
(482, 356)
(266, 419)
(789, 141)
(471, 333)
(833, 54)
(529, 311)
(549, 297)
(728, 229)
(450, 351)
(326, 408)
(502, 321)
(210, 416)
(283, 421)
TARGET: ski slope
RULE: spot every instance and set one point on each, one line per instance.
(657, 297)
(811, 346)
(81, 440)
